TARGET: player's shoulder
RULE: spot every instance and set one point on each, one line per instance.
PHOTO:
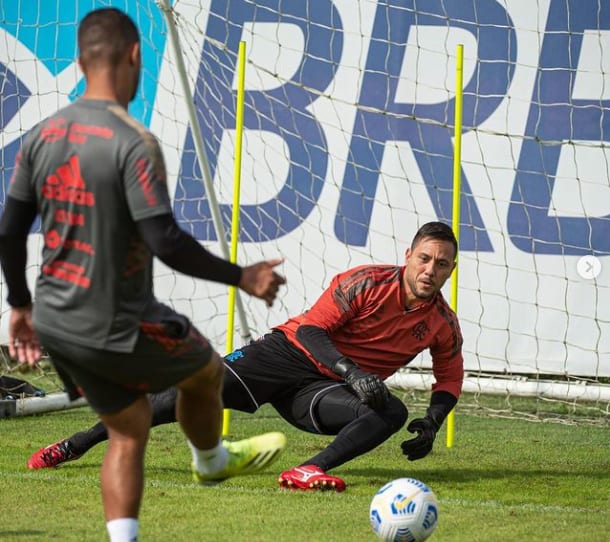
(130, 124)
(441, 303)
(375, 271)
(444, 311)
(107, 117)
(367, 276)
(53, 127)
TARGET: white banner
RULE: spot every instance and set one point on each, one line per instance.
(348, 149)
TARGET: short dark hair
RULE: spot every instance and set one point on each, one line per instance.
(104, 35)
(435, 230)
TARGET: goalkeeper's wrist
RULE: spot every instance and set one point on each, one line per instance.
(441, 404)
(344, 366)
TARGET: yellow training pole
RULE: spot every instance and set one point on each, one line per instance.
(457, 178)
(239, 129)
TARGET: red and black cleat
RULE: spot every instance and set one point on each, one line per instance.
(52, 456)
(310, 477)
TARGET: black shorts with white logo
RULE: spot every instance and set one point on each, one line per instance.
(272, 370)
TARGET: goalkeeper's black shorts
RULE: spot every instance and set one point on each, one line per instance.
(272, 370)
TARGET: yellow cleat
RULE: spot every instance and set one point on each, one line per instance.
(245, 457)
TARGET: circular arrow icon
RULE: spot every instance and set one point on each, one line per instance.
(589, 267)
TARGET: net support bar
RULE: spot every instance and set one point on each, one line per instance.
(547, 389)
(164, 5)
(38, 405)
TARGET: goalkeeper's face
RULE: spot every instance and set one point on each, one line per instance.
(428, 266)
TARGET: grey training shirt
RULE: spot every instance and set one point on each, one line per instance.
(93, 171)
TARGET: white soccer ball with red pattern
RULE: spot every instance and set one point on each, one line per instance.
(404, 510)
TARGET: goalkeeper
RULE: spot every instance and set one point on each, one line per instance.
(324, 370)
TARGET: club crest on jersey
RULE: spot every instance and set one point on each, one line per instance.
(420, 330)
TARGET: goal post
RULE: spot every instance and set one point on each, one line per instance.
(348, 148)
(197, 137)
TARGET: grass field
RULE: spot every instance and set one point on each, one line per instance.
(504, 480)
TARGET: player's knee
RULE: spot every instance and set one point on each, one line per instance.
(207, 379)
(130, 426)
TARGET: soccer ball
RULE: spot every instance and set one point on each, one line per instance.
(404, 510)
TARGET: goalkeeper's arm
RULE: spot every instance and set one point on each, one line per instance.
(369, 388)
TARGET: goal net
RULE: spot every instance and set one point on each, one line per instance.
(348, 149)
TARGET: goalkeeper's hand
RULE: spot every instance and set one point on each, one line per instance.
(420, 446)
(369, 388)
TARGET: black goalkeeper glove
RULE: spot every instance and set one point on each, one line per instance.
(369, 388)
(426, 428)
(420, 446)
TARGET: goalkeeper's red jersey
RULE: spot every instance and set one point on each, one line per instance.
(364, 313)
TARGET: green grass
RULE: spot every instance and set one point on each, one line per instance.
(503, 480)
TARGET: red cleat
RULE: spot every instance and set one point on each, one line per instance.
(52, 456)
(310, 477)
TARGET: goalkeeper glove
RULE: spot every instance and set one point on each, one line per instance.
(421, 445)
(426, 428)
(369, 388)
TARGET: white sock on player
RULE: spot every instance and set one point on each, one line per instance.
(209, 461)
(123, 530)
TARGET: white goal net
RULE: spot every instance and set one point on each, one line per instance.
(348, 149)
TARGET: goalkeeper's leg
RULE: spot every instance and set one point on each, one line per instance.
(359, 428)
(78, 444)
(164, 411)
(337, 411)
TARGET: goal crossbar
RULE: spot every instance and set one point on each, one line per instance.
(523, 386)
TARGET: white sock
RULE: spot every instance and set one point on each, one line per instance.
(209, 461)
(123, 530)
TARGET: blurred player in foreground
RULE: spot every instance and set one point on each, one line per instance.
(97, 178)
(323, 370)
